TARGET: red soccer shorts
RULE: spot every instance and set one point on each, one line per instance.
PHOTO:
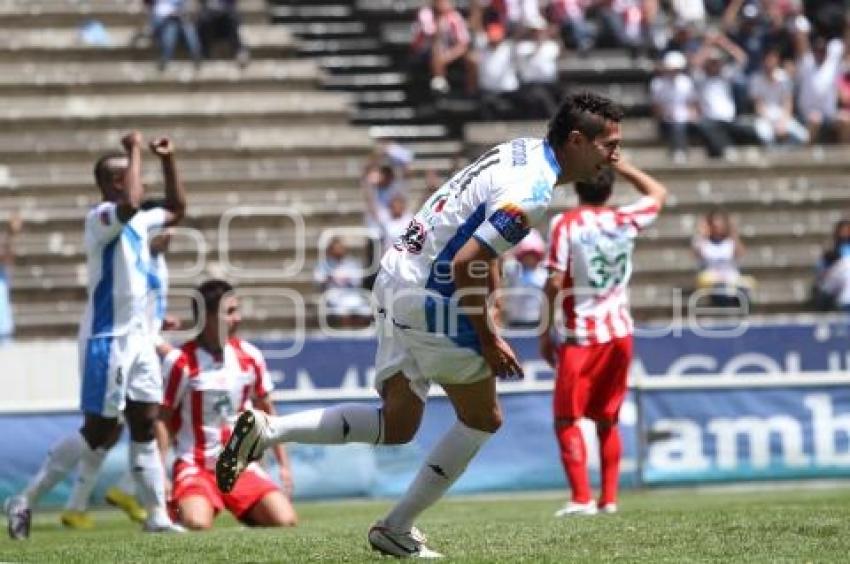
(592, 380)
(252, 486)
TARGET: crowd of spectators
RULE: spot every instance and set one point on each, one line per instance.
(727, 71)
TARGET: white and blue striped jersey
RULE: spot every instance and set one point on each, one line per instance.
(119, 271)
(496, 199)
(158, 287)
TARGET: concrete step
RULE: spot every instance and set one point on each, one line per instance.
(354, 64)
(50, 45)
(51, 78)
(175, 108)
(66, 13)
(300, 13)
(365, 81)
(356, 46)
(65, 144)
(327, 30)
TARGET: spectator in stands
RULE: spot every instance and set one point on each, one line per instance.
(7, 265)
(772, 91)
(494, 61)
(818, 70)
(515, 15)
(340, 277)
(742, 21)
(683, 39)
(571, 17)
(690, 11)
(388, 222)
(674, 102)
(218, 21)
(440, 41)
(523, 278)
(832, 282)
(718, 249)
(713, 80)
(782, 19)
(537, 65)
(383, 179)
(170, 19)
(621, 23)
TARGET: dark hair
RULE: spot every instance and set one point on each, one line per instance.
(586, 113)
(597, 191)
(152, 203)
(102, 173)
(387, 171)
(212, 291)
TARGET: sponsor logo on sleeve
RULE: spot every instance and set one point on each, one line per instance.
(511, 223)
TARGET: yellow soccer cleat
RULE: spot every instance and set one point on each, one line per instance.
(126, 503)
(77, 520)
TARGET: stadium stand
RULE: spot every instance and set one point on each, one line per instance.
(287, 133)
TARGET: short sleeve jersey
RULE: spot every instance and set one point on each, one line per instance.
(593, 246)
(206, 392)
(496, 199)
(119, 266)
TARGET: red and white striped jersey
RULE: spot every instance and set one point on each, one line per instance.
(206, 392)
(592, 246)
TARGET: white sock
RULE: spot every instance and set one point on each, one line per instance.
(126, 483)
(149, 475)
(87, 471)
(344, 423)
(444, 464)
(61, 458)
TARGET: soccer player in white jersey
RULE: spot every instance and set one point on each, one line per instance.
(119, 368)
(208, 381)
(432, 292)
(590, 263)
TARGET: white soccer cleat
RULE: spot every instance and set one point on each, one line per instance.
(409, 544)
(573, 508)
(19, 517)
(608, 508)
(163, 527)
(241, 449)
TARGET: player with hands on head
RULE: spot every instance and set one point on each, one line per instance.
(434, 323)
(590, 263)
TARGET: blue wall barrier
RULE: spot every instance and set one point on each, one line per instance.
(771, 403)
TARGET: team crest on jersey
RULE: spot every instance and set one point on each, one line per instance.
(541, 193)
(588, 238)
(413, 238)
(511, 223)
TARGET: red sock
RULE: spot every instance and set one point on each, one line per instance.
(610, 450)
(574, 459)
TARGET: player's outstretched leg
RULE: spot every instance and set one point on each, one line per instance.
(242, 448)
(255, 431)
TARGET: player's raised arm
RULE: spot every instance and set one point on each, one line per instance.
(175, 193)
(135, 190)
(643, 183)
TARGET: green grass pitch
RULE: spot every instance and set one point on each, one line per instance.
(800, 525)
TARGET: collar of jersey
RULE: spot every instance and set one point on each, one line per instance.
(550, 158)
